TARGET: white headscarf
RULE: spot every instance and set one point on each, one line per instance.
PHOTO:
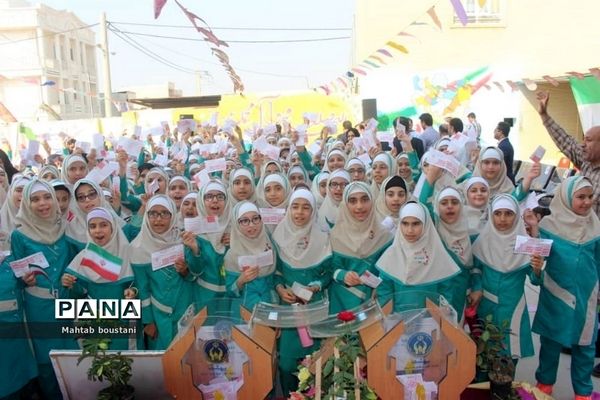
(41, 230)
(389, 161)
(243, 246)
(64, 172)
(332, 152)
(354, 238)
(477, 218)
(425, 261)
(46, 169)
(242, 171)
(501, 184)
(154, 172)
(223, 219)
(328, 212)
(9, 210)
(276, 178)
(496, 249)
(563, 222)
(118, 246)
(77, 221)
(456, 235)
(148, 242)
(301, 247)
(324, 175)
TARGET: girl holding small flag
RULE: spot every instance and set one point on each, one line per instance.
(41, 230)
(303, 256)
(87, 195)
(165, 285)
(250, 261)
(357, 241)
(102, 270)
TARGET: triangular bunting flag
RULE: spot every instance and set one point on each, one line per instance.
(434, 17)
(385, 52)
(551, 80)
(397, 46)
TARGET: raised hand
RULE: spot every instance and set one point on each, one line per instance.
(543, 97)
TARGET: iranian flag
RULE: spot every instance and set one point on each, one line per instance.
(587, 96)
(105, 264)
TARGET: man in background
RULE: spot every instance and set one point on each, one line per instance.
(473, 128)
(501, 135)
(429, 135)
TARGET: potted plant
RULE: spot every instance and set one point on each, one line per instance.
(113, 367)
(493, 362)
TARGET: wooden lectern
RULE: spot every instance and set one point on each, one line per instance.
(258, 372)
(381, 372)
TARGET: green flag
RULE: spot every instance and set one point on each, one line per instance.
(27, 132)
(587, 96)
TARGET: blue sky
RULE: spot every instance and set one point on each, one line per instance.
(318, 62)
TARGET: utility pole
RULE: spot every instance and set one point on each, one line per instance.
(106, 66)
(198, 83)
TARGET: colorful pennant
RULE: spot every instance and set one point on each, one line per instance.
(397, 46)
(460, 11)
(434, 17)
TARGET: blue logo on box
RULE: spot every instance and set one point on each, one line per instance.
(420, 344)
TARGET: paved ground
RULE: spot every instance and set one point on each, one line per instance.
(526, 367)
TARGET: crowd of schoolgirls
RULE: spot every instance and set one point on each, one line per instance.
(344, 210)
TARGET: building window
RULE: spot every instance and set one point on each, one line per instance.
(492, 13)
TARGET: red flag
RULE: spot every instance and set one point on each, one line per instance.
(325, 89)
(359, 71)
(342, 81)
(158, 6)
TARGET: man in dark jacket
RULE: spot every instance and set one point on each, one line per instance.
(501, 135)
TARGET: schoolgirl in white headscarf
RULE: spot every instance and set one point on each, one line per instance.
(477, 196)
(357, 241)
(10, 208)
(328, 212)
(241, 186)
(319, 187)
(74, 168)
(41, 229)
(87, 195)
(383, 165)
(416, 264)
(250, 284)
(102, 270)
(452, 226)
(304, 256)
(566, 315)
(165, 291)
(503, 274)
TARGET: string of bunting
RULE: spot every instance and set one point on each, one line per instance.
(461, 89)
(209, 36)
